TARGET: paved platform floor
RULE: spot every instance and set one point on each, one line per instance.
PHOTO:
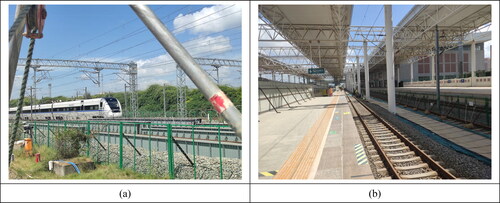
(280, 135)
(469, 140)
(343, 155)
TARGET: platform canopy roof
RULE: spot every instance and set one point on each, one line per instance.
(319, 32)
(415, 35)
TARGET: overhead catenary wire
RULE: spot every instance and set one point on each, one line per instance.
(103, 34)
(177, 29)
(171, 61)
(185, 26)
(150, 40)
(185, 42)
(138, 31)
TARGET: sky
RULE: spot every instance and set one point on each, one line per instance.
(373, 15)
(113, 33)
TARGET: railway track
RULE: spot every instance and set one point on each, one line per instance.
(395, 156)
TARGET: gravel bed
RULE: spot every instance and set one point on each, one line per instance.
(402, 157)
(466, 167)
(409, 163)
(206, 167)
(398, 152)
(415, 171)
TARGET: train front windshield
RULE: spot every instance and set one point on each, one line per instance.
(113, 104)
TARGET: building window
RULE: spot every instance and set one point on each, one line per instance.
(424, 65)
(466, 62)
(448, 63)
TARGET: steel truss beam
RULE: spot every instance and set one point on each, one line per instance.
(276, 26)
(413, 37)
(270, 65)
(128, 68)
(420, 30)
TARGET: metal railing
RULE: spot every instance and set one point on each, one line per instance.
(467, 109)
(136, 145)
(209, 114)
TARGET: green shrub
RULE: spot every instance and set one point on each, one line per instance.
(69, 142)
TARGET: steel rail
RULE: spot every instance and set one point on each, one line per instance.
(442, 172)
(388, 164)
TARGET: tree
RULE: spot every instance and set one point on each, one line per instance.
(151, 99)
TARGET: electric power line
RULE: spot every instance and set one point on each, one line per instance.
(102, 34)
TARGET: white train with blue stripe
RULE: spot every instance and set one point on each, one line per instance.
(73, 110)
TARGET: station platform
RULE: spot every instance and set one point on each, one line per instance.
(472, 141)
(481, 91)
(317, 139)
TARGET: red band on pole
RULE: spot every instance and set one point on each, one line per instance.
(219, 101)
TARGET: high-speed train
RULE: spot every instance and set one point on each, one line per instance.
(72, 110)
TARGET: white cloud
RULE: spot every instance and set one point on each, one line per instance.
(209, 20)
(209, 45)
(164, 64)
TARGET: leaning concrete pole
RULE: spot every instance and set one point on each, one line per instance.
(200, 78)
(389, 57)
(15, 42)
(367, 70)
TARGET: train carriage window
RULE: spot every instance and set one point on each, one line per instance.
(113, 104)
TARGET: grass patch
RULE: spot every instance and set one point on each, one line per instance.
(25, 167)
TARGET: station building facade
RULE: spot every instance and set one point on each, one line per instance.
(448, 67)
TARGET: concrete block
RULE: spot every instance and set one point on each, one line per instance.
(63, 168)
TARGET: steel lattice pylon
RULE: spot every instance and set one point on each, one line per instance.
(181, 92)
(181, 79)
(132, 72)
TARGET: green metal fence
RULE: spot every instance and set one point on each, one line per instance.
(189, 113)
(130, 146)
(466, 108)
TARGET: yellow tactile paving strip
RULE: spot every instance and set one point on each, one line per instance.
(300, 162)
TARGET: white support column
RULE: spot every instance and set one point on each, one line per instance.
(391, 96)
(347, 80)
(473, 61)
(433, 70)
(349, 75)
(411, 71)
(367, 71)
(353, 79)
(354, 84)
(358, 69)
